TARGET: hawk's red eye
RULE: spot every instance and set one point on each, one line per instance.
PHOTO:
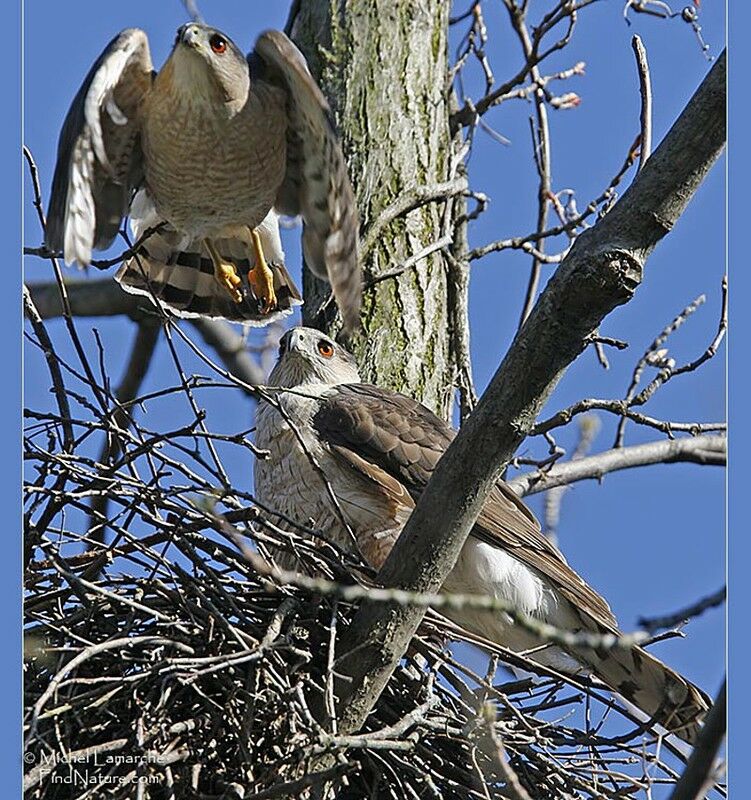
(218, 43)
(326, 349)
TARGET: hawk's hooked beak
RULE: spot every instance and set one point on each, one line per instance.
(189, 35)
(295, 339)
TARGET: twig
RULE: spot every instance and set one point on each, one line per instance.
(72, 332)
(541, 150)
(513, 786)
(656, 8)
(192, 8)
(654, 356)
(231, 349)
(645, 89)
(100, 263)
(104, 297)
(446, 600)
(408, 201)
(293, 788)
(471, 111)
(705, 450)
(410, 262)
(90, 652)
(144, 344)
(711, 351)
(458, 300)
(653, 624)
(54, 368)
(525, 242)
(621, 408)
(588, 428)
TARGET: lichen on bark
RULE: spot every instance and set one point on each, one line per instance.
(383, 66)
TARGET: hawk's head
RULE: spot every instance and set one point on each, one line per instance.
(308, 356)
(207, 65)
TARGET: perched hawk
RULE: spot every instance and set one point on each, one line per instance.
(377, 450)
(214, 145)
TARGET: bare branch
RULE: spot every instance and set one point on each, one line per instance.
(589, 426)
(99, 297)
(144, 344)
(569, 227)
(541, 148)
(653, 624)
(458, 298)
(408, 263)
(657, 356)
(705, 450)
(408, 201)
(103, 297)
(100, 263)
(53, 365)
(445, 600)
(192, 8)
(513, 786)
(645, 89)
(231, 349)
(66, 310)
(621, 408)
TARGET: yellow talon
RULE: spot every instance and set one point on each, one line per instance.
(229, 278)
(225, 273)
(261, 278)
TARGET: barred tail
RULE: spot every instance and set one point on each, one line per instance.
(665, 696)
(180, 274)
(184, 281)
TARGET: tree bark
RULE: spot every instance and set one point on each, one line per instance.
(383, 66)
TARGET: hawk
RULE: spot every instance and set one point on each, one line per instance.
(205, 154)
(377, 450)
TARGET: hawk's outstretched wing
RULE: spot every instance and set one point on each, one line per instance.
(316, 183)
(98, 156)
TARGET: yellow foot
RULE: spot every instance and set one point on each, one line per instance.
(261, 278)
(225, 273)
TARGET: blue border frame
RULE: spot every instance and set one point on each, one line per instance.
(739, 546)
(739, 543)
(10, 404)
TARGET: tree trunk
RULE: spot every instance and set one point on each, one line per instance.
(383, 66)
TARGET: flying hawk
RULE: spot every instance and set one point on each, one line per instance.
(205, 154)
(377, 450)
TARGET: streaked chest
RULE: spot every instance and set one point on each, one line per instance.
(287, 480)
(304, 480)
(206, 170)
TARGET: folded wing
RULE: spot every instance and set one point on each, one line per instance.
(405, 439)
(402, 439)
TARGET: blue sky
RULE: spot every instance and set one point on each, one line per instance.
(650, 540)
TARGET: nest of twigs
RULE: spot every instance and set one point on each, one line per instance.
(195, 678)
(167, 664)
